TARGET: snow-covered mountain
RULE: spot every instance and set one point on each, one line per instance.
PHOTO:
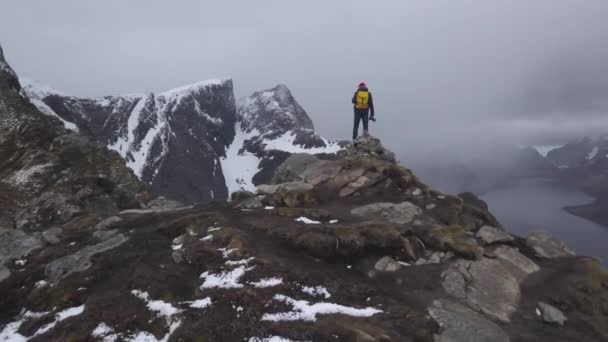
(271, 126)
(172, 140)
(190, 143)
(581, 152)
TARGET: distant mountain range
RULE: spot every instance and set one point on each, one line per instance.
(582, 164)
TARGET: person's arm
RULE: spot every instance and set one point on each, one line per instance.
(355, 97)
(371, 105)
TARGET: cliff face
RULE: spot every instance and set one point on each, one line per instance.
(172, 141)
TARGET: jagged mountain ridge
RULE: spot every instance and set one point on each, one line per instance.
(191, 143)
(580, 153)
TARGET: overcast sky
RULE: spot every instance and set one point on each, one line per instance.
(443, 72)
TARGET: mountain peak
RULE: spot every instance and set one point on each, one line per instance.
(4, 67)
(195, 87)
(274, 110)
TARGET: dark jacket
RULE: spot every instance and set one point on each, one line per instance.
(371, 100)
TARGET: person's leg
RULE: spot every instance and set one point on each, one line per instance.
(356, 124)
(365, 118)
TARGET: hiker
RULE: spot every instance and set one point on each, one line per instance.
(363, 103)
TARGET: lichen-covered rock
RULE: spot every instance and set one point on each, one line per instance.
(546, 246)
(459, 323)
(81, 260)
(489, 235)
(399, 213)
(369, 147)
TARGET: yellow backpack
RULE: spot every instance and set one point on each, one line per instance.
(362, 100)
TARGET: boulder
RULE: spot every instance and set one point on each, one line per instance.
(177, 257)
(546, 246)
(458, 323)
(522, 266)
(320, 171)
(491, 286)
(387, 264)
(241, 195)
(486, 285)
(251, 203)
(294, 194)
(81, 260)
(400, 213)
(161, 203)
(16, 244)
(451, 238)
(291, 169)
(489, 235)
(550, 314)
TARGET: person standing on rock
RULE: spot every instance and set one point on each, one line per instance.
(363, 103)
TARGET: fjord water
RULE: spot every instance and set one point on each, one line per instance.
(537, 204)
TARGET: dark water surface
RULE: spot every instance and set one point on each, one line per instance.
(538, 205)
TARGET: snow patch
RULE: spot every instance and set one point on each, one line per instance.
(286, 143)
(267, 282)
(44, 109)
(240, 166)
(201, 303)
(158, 306)
(304, 311)
(316, 291)
(544, 150)
(226, 279)
(593, 153)
(270, 339)
(306, 220)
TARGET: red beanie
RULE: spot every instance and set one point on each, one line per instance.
(362, 84)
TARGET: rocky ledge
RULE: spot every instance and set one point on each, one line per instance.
(354, 249)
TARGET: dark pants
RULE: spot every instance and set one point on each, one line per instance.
(360, 115)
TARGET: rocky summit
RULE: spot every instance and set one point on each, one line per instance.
(349, 248)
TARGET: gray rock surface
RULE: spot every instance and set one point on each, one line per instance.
(251, 203)
(293, 167)
(107, 222)
(387, 264)
(521, 265)
(51, 235)
(550, 314)
(485, 285)
(546, 246)
(489, 235)
(103, 235)
(460, 324)
(81, 260)
(399, 213)
(16, 244)
(162, 203)
(5, 273)
(368, 146)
